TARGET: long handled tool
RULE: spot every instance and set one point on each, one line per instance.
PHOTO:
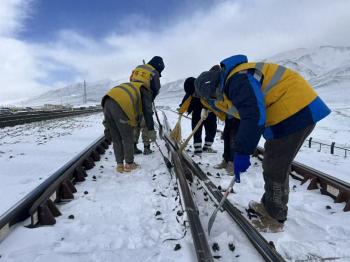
(213, 216)
(184, 144)
(157, 117)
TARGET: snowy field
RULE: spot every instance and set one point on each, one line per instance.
(136, 217)
(30, 153)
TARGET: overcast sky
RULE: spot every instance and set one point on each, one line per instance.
(53, 43)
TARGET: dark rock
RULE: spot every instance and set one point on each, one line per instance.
(101, 166)
(158, 213)
(177, 247)
(216, 257)
(93, 177)
(179, 213)
(215, 247)
(231, 247)
(154, 190)
(86, 192)
(328, 207)
(272, 244)
(71, 216)
(218, 174)
(206, 199)
(219, 188)
(62, 238)
(237, 255)
(205, 193)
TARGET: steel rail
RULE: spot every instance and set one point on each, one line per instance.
(266, 250)
(39, 203)
(200, 241)
(13, 120)
(328, 185)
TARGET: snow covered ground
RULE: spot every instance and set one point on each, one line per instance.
(128, 217)
(29, 153)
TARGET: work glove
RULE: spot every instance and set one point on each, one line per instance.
(240, 164)
(204, 113)
(152, 135)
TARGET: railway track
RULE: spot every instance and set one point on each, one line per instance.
(266, 249)
(40, 203)
(29, 117)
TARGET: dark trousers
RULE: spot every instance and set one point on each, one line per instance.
(230, 130)
(210, 127)
(278, 156)
(121, 132)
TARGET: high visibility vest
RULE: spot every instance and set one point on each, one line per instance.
(143, 74)
(128, 97)
(285, 91)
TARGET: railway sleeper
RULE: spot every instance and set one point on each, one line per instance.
(79, 174)
(66, 190)
(88, 163)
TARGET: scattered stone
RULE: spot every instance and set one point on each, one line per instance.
(206, 199)
(106, 158)
(215, 247)
(200, 163)
(216, 257)
(328, 207)
(219, 188)
(10, 156)
(158, 213)
(177, 247)
(255, 163)
(272, 244)
(93, 177)
(294, 187)
(86, 192)
(209, 174)
(40, 178)
(154, 190)
(101, 166)
(175, 188)
(71, 216)
(231, 191)
(101, 172)
(154, 175)
(205, 193)
(179, 213)
(218, 174)
(237, 255)
(208, 165)
(231, 247)
(62, 238)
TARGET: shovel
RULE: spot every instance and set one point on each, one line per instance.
(213, 216)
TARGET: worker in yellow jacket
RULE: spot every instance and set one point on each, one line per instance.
(123, 108)
(268, 99)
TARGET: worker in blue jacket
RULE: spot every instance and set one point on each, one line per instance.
(269, 100)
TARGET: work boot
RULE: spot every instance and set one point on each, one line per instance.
(120, 168)
(147, 150)
(265, 223)
(130, 167)
(209, 150)
(229, 168)
(136, 150)
(222, 165)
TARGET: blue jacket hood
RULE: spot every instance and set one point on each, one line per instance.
(229, 63)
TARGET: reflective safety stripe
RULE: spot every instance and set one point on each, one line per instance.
(147, 68)
(275, 79)
(259, 66)
(128, 92)
(137, 105)
(197, 145)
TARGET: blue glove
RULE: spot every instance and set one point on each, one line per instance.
(241, 164)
